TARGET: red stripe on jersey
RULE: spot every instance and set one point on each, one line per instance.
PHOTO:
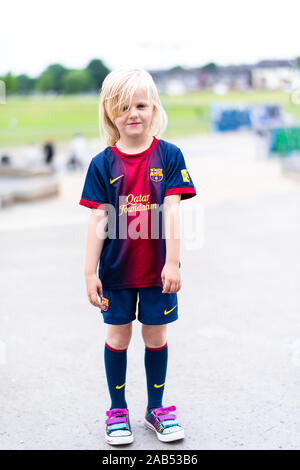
(92, 204)
(186, 192)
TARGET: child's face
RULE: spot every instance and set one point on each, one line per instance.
(135, 122)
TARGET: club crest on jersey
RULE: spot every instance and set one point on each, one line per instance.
(156, 174)
(185, 176)
(104, 304)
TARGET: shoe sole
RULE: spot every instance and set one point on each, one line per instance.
(168, 437)
(118, 440)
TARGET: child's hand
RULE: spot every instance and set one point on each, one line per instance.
(93, 287)
(170, 277)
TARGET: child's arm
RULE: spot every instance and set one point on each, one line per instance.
(95, 240)
(170, 274)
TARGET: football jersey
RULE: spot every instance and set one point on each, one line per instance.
(132, 188)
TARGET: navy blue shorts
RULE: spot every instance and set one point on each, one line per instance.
(154, 307)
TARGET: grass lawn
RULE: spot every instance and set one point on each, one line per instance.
(30, 120)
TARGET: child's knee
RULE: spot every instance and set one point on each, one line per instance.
(153, 336)
(119, 338)
(155, 343)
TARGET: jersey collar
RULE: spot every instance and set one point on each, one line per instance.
(131, 156)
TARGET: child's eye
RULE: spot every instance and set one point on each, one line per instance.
(125, 108)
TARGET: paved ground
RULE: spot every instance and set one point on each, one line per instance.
(234, 354)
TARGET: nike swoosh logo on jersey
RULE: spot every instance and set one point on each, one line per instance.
(168, 311)
(112, 181)
(158, 386)
(120, 386)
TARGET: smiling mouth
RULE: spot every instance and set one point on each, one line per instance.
(134, 123)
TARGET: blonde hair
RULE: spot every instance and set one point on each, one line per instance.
(117, 90)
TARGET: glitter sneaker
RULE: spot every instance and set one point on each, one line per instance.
(118, 430)
(164, 423)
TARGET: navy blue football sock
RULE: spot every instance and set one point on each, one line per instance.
(156, 360)
(115, 366)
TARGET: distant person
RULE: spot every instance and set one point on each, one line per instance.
(74, 163)
(48, 152)
(5, 160)
(134, 171)
(78, 152)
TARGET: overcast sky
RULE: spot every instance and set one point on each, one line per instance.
(150, 34)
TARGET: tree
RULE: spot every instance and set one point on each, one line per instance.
(98, 72)
(210, 67)
(177, 68)
(11, 83)
(26, 84)
(52, 78)
(76, 81)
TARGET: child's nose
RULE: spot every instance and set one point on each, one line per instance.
(133, 112)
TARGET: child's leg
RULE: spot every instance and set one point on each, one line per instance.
(156, 358)
(115, 359)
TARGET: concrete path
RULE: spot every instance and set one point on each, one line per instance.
(234, 353)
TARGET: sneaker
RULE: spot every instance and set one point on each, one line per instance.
(118, 430)
(164, 423)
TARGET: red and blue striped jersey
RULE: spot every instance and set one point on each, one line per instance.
(132, 188)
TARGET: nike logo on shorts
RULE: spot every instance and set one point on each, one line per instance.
(168, 311)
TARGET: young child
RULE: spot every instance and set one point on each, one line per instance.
(133, 187)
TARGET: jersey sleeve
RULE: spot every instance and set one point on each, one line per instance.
(178, 179)
(94, 193)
